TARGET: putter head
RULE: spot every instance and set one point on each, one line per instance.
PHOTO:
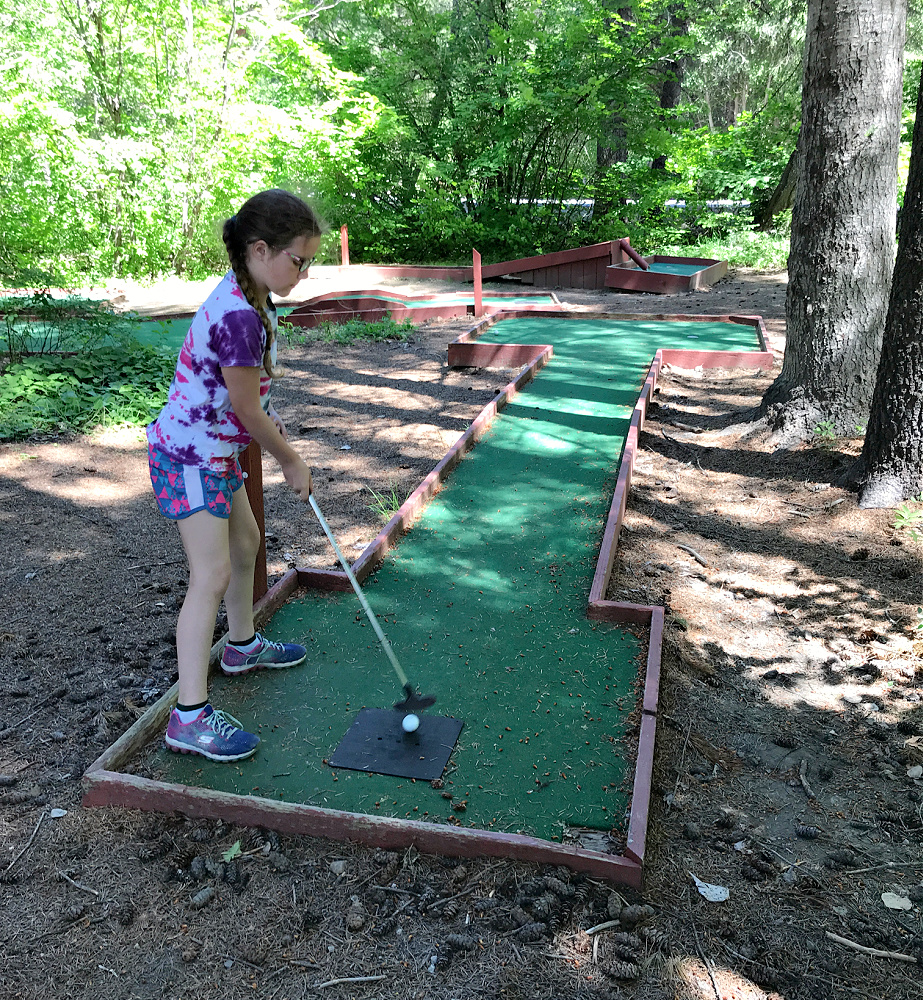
(413, 702)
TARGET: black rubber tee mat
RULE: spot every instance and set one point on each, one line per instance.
(376, 742)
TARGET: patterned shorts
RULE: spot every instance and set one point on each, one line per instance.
(182, 490)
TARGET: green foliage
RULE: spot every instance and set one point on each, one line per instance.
(747, 58)
(129, 132)
(385, 505)
(120, 382)
(349, 332)
(825, 434)
(741, 247)
(908, 517)
(40, 323)
(234, 851)
(739, 162)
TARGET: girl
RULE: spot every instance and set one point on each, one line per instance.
(218, 403)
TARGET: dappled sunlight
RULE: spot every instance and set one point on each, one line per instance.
(75, 470)
(121, 436)
(697, 981)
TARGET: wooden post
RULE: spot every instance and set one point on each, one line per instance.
(344, 246)
(635, 256)
(251, 461)
(476, 267)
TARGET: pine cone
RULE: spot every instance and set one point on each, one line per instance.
(626, 946)
(544, 906)
(655, 938)
(622, 970)
(191, 952)
(533, 931)
(563, 890)
(461, 942)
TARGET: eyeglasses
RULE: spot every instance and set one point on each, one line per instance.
(302, 263)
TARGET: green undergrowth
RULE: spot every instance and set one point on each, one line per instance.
(41, 323)
(351, 332)
(908, 518)
(122, 383)
(71, 364)
(385, 504)
(740, 248)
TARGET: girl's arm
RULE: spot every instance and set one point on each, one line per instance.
(244, 390)
(278, 421)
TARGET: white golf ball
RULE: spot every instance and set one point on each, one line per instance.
(410, 723)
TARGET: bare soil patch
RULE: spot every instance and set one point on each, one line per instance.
(792, 685)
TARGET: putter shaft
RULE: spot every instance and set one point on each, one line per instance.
(382, 638)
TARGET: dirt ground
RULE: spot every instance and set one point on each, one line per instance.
(790, 717)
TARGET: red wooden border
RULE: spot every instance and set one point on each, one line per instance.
(373, 304)
(629, 277)
(104, 787)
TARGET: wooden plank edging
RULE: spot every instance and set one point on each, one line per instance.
(105, 787)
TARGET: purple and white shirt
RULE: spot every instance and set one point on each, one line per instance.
(197, 426)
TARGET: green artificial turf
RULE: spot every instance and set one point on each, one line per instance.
(484, 603)
(664, 267)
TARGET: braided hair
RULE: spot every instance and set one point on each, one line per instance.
(277, 217)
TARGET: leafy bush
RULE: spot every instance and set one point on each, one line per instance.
(349, 332)
(121, 382)
(741, 248)
(39, 323)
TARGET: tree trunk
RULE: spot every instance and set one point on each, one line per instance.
(843, 222)
(782, 197)
(891, 463)
(671, 89)
(611, 149)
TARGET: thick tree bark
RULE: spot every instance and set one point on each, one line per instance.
(843, 222)
(891, 464)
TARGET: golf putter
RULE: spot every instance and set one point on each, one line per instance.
(412, 701)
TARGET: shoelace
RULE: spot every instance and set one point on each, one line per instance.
(273, 645)
(223, 724)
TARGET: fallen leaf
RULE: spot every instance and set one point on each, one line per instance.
(713, 893)
(895, 902)
(232, 852)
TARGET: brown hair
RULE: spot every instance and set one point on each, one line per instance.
(277, 217)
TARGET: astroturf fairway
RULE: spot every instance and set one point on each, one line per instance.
(665, 267)
(484, 601)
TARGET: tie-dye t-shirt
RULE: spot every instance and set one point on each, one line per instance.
(197, 425)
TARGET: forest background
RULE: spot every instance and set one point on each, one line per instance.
(429, 127)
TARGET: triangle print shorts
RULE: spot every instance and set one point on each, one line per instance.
(182, 490)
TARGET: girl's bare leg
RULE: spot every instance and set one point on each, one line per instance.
(205, 539)
(243, 544)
